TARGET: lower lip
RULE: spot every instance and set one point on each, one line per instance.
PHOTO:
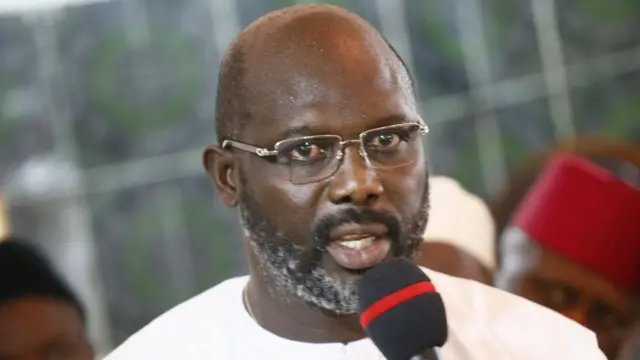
(358, 259)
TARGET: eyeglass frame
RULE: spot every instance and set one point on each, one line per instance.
(423, 129)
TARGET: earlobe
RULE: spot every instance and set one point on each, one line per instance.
(221, 169)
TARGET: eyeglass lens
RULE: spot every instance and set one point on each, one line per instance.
(314, 158)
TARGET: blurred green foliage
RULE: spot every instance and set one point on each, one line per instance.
(7, 126)
(142, 239)
(611, 11)
(109, 98)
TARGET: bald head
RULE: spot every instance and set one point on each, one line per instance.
(292, 54)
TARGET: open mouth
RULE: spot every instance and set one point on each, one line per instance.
(358, 247)
(357, 242)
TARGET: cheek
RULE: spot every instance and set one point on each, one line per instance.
(405, 187)
(269, 188)
(290, 207)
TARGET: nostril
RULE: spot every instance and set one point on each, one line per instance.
(371, 198)
(344, 200)
(356, 199)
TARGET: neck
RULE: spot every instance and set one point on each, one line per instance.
(291, 318)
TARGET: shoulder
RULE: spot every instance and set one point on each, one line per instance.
(516, 324)
(198, 321)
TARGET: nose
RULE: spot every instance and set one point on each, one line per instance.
(355, 182)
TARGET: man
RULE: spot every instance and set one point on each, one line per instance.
(574, 246)
(40, 317)
(460, 236)
(321, 151)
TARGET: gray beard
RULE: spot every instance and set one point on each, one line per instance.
(281, 262)
(298, 271)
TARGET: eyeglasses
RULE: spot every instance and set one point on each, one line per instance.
(315, 158)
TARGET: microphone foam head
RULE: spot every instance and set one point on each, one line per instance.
(400, 309)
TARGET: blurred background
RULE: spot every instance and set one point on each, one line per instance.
(105, 107)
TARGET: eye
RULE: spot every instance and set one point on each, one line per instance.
(305, 151)
(385, 140)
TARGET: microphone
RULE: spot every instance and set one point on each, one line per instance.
(401, 311)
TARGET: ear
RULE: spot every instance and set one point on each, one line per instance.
(223, 173)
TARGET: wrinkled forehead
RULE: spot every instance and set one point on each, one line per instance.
(324, 75)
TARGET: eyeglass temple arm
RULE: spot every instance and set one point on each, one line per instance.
(252, 149)
(424, 128)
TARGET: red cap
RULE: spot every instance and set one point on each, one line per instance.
(585, 213)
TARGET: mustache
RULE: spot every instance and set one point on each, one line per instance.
(322, 230)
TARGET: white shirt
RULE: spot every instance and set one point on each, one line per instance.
(484, 323)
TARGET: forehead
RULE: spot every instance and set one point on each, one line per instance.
(340, 79)
(31, 323)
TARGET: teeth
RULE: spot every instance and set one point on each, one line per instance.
(358, 244)
(354, 237)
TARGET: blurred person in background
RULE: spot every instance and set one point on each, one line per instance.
(460, 235)
(321, 150)
(600, 149)
(40, 317)
(573, 245)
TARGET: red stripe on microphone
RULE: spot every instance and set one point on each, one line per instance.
(392, 300)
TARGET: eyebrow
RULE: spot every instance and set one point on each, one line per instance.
(305, 130)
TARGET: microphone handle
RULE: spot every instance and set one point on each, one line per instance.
(428, 354)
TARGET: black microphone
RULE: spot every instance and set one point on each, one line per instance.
(401, 311)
